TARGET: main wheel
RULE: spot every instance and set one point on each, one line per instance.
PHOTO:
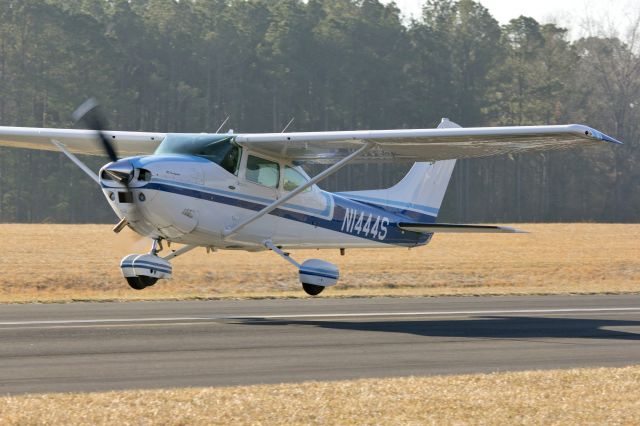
(141, 282)
(312, 289)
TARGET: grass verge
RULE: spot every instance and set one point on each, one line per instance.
(44, 263)
(579, 396)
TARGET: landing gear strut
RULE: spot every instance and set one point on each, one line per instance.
(314, 274)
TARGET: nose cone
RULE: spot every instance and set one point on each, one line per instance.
(120, 171)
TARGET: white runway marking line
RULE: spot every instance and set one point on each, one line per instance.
(333, 315)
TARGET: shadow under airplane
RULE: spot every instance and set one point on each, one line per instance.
(506, 327)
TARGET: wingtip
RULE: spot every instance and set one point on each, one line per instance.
(608, 138)
(602, 136)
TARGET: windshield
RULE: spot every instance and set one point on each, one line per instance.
(219, 149)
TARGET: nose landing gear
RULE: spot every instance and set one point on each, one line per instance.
(144, 270)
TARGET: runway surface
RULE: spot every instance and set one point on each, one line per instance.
(107, 346)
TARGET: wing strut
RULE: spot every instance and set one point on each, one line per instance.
(77, 162)
(328, 172)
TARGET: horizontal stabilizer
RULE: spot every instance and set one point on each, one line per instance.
(457, 228)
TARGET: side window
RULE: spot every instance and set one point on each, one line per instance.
(262, 171)
(293, 179)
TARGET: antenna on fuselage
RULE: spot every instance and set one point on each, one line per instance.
(288, 124)
(223, 123)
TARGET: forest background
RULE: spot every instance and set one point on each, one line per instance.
(184, 66)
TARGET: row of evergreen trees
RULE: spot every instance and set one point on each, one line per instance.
(167, 65)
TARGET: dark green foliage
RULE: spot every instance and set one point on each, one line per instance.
(183, 66)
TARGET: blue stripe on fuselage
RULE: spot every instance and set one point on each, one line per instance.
(394, 235)
(389, 204)
(413, 212)
(326, 211)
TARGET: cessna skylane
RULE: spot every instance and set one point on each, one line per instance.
(248, 191)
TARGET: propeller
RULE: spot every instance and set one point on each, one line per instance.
(90, 115)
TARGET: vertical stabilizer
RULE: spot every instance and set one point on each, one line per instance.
(420, 192)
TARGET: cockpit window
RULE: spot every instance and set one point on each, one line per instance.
(293, 179)
(262, 171)
(220, 150)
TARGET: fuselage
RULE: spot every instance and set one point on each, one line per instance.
(192, 200)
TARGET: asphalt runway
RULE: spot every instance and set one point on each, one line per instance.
(108, 346)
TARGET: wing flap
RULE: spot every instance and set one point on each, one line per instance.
(79, 141)
(430, 228)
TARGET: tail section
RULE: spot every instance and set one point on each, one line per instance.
(420, 193)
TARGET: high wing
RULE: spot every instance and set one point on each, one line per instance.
(458, 228)
(331, 147)
(79, 141)
(421, 144)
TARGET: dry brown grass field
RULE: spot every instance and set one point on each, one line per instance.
(563, 397)
(81, 262)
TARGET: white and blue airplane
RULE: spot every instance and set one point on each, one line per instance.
(236, 191)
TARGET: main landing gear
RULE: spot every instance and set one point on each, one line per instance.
(314, 274)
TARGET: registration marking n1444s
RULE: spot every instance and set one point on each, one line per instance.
(360, 223)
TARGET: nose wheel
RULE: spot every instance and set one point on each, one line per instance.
(144, 270)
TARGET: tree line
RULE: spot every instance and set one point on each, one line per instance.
(184, 66)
